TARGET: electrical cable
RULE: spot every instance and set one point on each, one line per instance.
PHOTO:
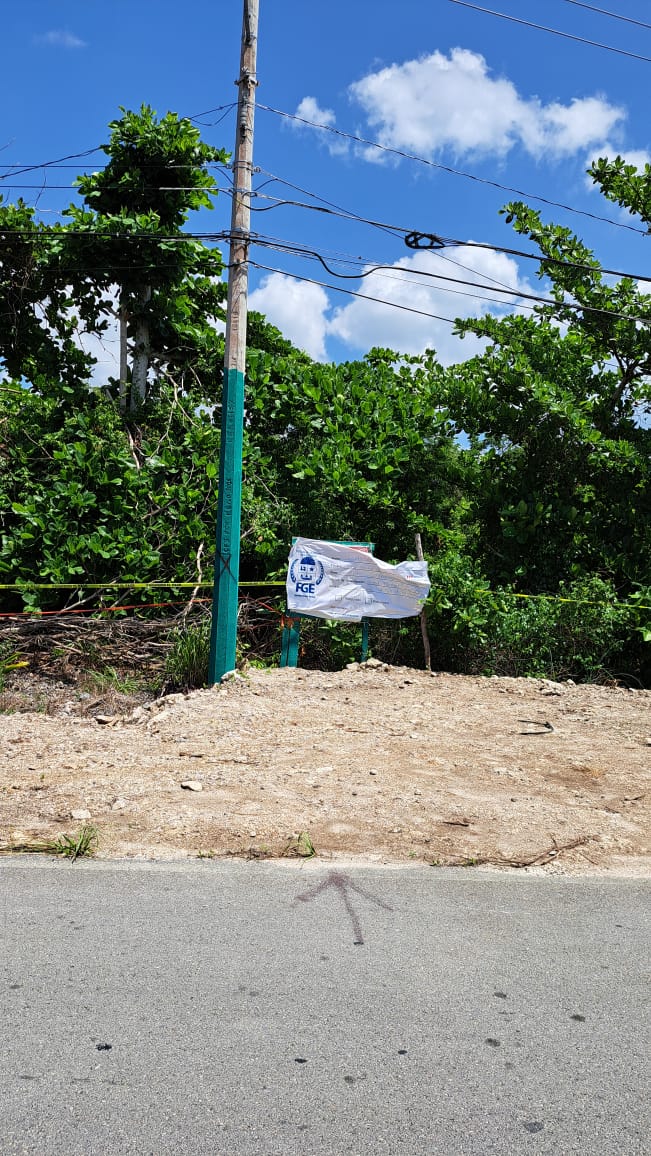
(452, 171)
(581, 266)
(379, 269)
(140, 189)
(338, 210)
(17, 170)
(352, 293)
(454, 242)
(555, 31)
(607, 12)
(223, 108)
(395, 230)
(36, 235)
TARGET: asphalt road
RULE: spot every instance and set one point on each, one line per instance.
(251, 1008)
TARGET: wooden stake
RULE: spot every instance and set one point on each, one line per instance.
(423, 615)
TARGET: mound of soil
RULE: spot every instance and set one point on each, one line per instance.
(383, 763)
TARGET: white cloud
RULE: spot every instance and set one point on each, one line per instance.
(637, 157)
(363, 324)
(304, 313)
(59, 38)
(438, 102)
(309, 109)
(297, 308)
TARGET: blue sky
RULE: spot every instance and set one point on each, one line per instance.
(458, 87)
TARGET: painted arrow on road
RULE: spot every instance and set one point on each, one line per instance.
(343, 884)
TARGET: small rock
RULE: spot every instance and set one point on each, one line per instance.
(80, 813)
(373, 664)
(192, 785)
(119, 805)
(352, 666)
(106, 719)
(372, 772)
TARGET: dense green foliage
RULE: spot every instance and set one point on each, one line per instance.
(546, 495)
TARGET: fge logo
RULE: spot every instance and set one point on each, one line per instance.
(306, 573)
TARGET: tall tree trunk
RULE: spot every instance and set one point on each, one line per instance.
(124, 365)
(140, 356)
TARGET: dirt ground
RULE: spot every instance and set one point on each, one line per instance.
(381, 763)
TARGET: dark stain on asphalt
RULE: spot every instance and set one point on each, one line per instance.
(300, 1060)
(29, 1077)
(342, 884)
(493, 1043)
(402, 1051)
(500, 994)
(579, 1019)
(14, 986)
(533, 1126)
(509, 1066)
(103, 1047)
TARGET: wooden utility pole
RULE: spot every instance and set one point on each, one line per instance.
(223, 636)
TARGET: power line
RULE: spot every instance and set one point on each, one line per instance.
(448, 169)
(59, 162)
(555, 31)
(100, 168)
(607, 12)
(363, 296)
(17, 170)
(393, 230)
(353, 293)
(581, 266)
(380, 269)
(139, 189)
(36, 235)
(223, 108)
(439, 242)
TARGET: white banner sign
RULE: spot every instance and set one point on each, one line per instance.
(346, 584)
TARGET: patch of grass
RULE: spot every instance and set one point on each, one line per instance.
(71, 847)
(108, 678)
(186, 667)
(302, 846)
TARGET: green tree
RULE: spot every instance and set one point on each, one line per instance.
(360, 450)
(555, 414)
(37, 321)
(129, 235)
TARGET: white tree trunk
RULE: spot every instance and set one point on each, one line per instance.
(124, 367)
(140, 357)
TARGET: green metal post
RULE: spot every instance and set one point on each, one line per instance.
(223, 635)
(364, 639)
(290, 642)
